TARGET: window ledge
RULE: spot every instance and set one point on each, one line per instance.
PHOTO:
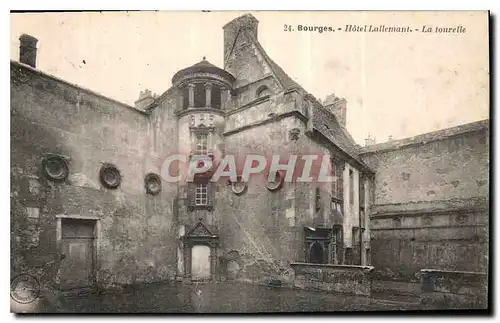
(200, 207)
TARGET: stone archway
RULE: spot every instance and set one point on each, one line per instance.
(200, 262)
(316, 253)
(200, 253)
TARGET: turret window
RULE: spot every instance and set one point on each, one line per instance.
(216, 97)
(201, 197)
(199, 96)
(202, 95)
(201, 144)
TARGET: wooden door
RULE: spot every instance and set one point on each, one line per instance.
(77, 248)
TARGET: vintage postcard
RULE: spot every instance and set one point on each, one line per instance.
(249, 162)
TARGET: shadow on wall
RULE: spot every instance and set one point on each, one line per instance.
(33, 198)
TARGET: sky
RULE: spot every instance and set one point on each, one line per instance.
(398, 85)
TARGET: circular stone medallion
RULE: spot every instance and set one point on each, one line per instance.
(24, 289)
(277, 183)
(55, 168)
(110, 176)
(152, 183)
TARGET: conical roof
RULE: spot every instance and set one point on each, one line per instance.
(203, 66)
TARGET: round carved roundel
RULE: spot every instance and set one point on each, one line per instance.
(239, 187)
(110, 176)
(277, 183)
(55, 168)
(152, 183)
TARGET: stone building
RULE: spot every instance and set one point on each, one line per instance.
(431, 205)
(90, 206)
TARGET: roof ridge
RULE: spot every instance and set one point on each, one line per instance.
(346, 143)
(76, 86)
(232, 48)
(268, 59)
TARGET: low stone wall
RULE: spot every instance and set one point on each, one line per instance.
(442, 289)
(354, 280)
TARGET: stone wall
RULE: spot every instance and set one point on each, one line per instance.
(453, 289)
(430, 205)
(48, 115)
(354, 280)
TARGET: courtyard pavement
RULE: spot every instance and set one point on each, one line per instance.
(176, 297)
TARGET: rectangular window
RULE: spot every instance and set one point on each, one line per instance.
(201, 144)
(351, 187)
(337, 185)
(362, 201)
(362, 192)
(334, 248)
(317, 201)
(201, 197)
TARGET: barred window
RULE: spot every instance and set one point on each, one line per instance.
(201, 197)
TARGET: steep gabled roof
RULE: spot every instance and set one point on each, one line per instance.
(323, 120)
(327, 124)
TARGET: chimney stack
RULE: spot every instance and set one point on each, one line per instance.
(27, 50)
(338, 107)
(369, 141)
(145, 99)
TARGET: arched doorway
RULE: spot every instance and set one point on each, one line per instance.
(316, 253)
(200, 262)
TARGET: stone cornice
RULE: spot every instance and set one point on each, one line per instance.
(185, 112)
(426, 138)
(263, 122)
(75, 86)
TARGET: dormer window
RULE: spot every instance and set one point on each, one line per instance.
(262, 91)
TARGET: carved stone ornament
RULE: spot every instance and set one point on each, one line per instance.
(277, 183)
(55, 167)
(152, 182)
(110, 176)
(239, 187)
(293, 134)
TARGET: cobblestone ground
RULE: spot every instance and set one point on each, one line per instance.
(220, 298)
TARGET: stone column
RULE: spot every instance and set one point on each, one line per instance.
(208, 95)
(191, 95)
(187, 261)
(366, 221)
(213, 262)
(224, 98)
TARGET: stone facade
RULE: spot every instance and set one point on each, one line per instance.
(136, 237)
(87, 182)
(354, 280)
(430, 206)
(453, 289)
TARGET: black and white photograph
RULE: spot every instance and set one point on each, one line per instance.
(242, 162)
